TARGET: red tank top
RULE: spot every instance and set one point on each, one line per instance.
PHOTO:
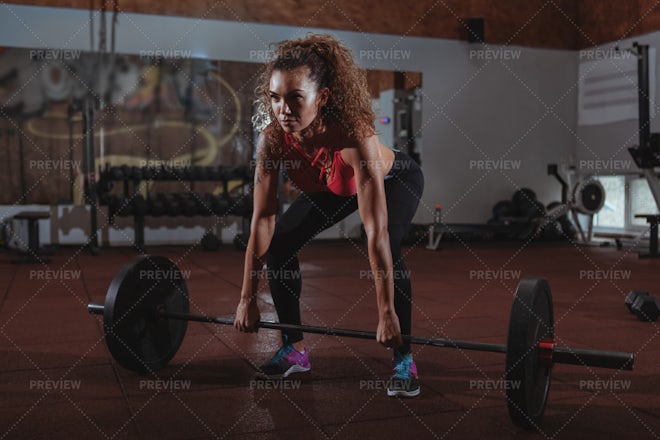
(308, 174)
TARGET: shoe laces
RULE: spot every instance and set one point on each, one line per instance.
(283, 351)
(402, 366)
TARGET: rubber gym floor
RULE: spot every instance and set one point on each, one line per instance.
(59, 380)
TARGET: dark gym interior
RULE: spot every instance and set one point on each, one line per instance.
(129, 136)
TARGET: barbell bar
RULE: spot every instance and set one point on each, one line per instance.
(560, 355)
(146, 312)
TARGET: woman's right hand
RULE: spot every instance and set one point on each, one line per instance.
(247, 315)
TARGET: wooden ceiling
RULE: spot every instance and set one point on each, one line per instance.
(562, 24)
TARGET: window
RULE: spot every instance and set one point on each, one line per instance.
(625, 196)
(613, 213)
(641, 201)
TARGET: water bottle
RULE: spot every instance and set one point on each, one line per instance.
(434, 229)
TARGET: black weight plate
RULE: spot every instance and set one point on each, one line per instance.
(533, 209)
(589, 196)
(556, 210)
(592, 197)
(528, 383)
(523, 198)
(503, 208)
(138, 337)
(210, 242)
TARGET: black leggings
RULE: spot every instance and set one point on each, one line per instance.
(311, 213)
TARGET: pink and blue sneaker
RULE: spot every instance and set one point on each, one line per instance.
(404, 382)
(286, 361)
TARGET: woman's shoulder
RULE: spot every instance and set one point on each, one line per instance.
(344, 139)
(271, 141)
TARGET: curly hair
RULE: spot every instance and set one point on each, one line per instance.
(331, 65)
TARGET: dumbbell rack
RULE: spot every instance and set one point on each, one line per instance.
(134, 204)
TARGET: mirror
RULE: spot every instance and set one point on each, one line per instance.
(149, 110)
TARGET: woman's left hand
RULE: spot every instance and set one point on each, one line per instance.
(389, 330)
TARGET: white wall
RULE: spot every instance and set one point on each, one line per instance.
(515, 106)
(519, 113)
(609, 142)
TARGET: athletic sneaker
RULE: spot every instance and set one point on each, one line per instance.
(286, 361)
(404, 382)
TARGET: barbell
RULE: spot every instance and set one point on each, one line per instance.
(146, 313)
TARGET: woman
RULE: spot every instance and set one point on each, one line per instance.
(314, 110)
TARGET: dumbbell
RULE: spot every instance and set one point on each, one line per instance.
(632, 296)
(116, 173)
(219, 205)
(228, 173)
(172, 204)
(213, 173)
(171, 173)
(136, 174)
(210, 242)
(126, 207)
(125, 172)
(140, 207)
(188, 204)
(190, 173)
(180, 173)
(244, 172)
(647, 309)
(205, 204)
(105, 183)
(161, 173)
(157, 173)
(202, 173)
(231, 205)
(243, 206)
(155, 206)
(643, 305)
(167, 172)
(114, 202)
(149, 173)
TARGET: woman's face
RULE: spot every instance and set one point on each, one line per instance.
(295, 99)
